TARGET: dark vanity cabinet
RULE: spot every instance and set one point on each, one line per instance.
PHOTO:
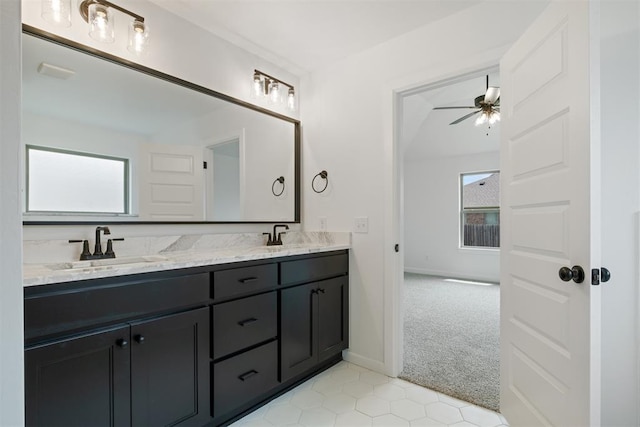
(314, 314)
(138, 354)
(193, 347)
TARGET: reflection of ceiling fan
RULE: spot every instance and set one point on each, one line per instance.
(488, 105)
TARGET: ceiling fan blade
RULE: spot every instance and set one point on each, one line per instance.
(451, 108)
(465, 117)
(492, 95)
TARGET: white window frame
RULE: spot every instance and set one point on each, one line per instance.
(126, 179)
(463, 211)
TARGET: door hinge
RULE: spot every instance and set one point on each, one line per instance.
(600, 275)
(204, 165)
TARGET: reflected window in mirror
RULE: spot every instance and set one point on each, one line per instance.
(61, 181)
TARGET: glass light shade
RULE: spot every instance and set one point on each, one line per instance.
(482, 119)
(257, 88)
(138, 37)
(274, 92)
(494, 117)
(57, 12)
(291, 100)
(101, 23)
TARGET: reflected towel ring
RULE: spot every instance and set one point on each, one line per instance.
(273, 186)
(324, 175)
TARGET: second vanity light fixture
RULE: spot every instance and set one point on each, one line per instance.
(100, 17)
(267, 86)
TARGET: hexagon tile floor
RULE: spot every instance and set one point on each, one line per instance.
(349, 395)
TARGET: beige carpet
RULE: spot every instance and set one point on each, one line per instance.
(452, 338)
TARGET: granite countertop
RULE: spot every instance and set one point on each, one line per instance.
(58, 272)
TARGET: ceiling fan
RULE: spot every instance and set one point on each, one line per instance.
(488, 105)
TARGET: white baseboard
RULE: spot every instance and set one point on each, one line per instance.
(452, 274)
(365, 362)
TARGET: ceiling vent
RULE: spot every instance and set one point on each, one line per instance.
(55, 71)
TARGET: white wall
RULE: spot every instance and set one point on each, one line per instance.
(348, 130)
(620, 52)
(432, 218)
(11, 323)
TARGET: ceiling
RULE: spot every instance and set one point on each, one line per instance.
(426, 133)
(303, 35)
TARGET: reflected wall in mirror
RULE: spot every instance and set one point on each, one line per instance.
(189, 156)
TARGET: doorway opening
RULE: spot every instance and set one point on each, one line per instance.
(449, 162)
(224, 200)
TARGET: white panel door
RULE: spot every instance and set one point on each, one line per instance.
(171, 183)
(550, 329)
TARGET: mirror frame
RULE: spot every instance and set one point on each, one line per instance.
(53, 38)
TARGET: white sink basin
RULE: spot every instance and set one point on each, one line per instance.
(75, 265)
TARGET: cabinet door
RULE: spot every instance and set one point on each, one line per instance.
(82, 381)
(299, 344)
(170, 370)
(333, 317)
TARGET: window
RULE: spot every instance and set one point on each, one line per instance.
(69, 181)
(480, 209)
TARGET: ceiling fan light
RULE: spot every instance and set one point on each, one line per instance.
(482, 119)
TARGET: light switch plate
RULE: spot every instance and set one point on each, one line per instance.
(361, 224)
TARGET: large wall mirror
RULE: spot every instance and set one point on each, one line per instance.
(107, 141)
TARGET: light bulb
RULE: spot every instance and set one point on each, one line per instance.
(138, 37)
(291, 99)
(101, 22)
(274, 92)
(482, 119)
(257, 88)
(58, 12)
(493, 118)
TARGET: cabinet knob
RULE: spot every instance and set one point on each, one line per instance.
(122, 343)
(139, 339)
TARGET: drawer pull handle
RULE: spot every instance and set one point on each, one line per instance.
(139, 339)
(247, 321)
(247, 375)
(248, 280)
(122, 343)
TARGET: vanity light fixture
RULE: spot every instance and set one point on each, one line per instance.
(267, 86)
(99, 14)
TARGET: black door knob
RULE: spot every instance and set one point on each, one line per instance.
(139, 339)
(575, 273)
(122, 343)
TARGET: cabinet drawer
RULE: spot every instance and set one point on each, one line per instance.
(243, 323)
(311, 269)
(244, 377)
(238, 281)
(117, 300)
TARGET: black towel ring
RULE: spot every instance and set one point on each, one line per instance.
(273, 186)
(324, 175)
